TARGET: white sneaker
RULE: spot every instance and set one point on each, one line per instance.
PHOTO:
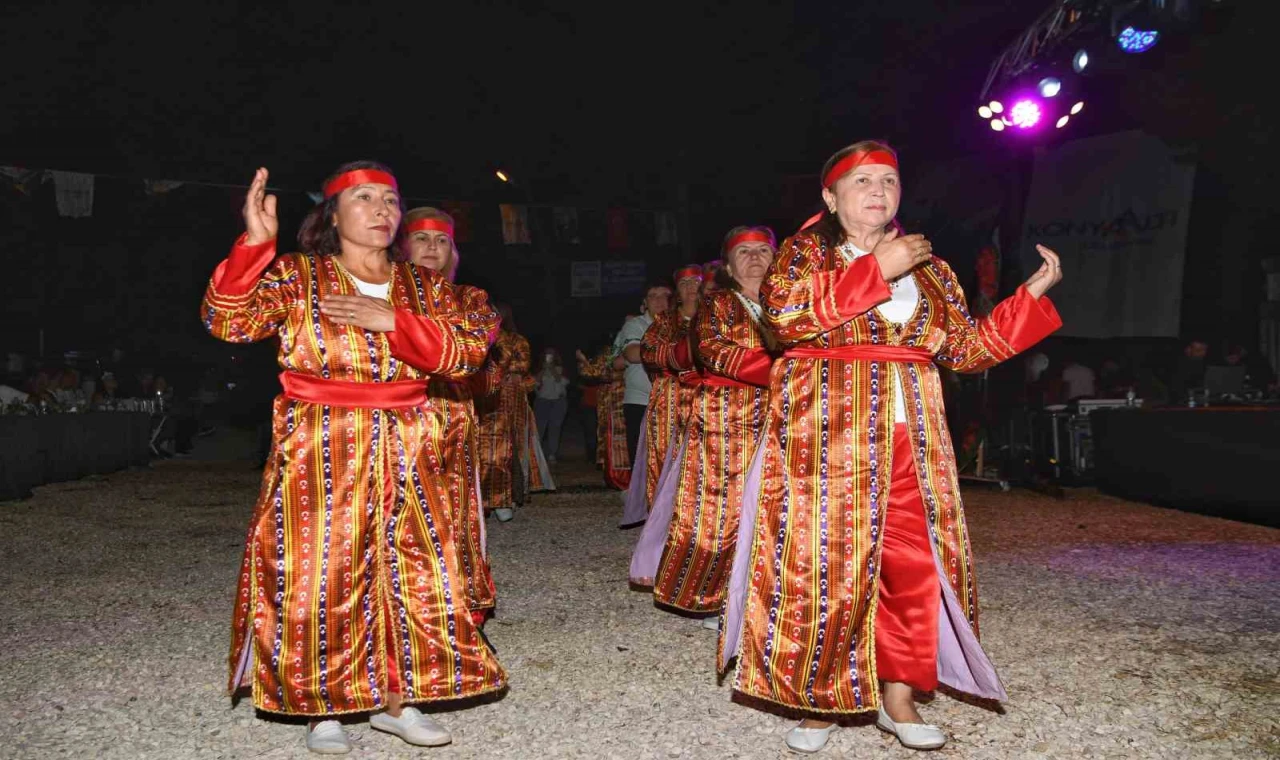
(711, 623)
(328, 738)
(912, 735)
(412, 726)
(504, 514)
(808, 740)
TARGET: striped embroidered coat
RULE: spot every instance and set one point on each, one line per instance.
(668, 398)
(351, 580)
(611, 421)
(725, 419)
(454, 404)
(808, 633)
(502, 426)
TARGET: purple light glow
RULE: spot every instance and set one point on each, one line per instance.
(1025, 114)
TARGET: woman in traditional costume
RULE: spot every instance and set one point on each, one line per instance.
(611, 422)
(427, 240)
(504, 481)
(351, 598)
(666, 396)
(686, 549)
(857, 574)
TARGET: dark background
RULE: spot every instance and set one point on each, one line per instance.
(721, 112)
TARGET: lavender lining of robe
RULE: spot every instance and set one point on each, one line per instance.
(634, 508)
(736, 598)
(962, 663)
(484, 533)
(653, 539)
(543, 469)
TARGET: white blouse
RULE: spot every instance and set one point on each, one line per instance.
(904, 296)
(371, 289)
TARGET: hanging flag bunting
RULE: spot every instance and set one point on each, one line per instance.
(22, 179)
(616, 228)
(461, 213)
(566, 220)
(668, 231)
(74, 193)
(515, 224)
(161, 186)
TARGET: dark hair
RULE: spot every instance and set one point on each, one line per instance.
(318, 235)
(828, 229)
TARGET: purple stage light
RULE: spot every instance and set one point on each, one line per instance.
(1025, 114)
(1136, 40)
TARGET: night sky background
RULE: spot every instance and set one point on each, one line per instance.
(722, 112)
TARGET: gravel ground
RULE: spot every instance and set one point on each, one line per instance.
(1120, 630)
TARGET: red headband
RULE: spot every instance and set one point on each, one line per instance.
(435, 225)
(750, 236)
(359, 177)
(856, 159)
(693, 270)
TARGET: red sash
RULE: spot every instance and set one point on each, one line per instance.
(868, 352)
(317, 390)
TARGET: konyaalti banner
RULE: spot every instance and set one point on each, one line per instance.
(1116, 208)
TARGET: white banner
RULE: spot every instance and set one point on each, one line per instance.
(1115, 207)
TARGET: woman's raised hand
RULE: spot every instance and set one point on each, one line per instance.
(260, 221)
(1048, 275)
(898, 254)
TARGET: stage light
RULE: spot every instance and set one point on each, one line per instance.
(1080, 61)
(997, 125)
(1049, 87)
(1077, 108)
(1133, 40)
(1025, 113)
(502, 176)
(996, 106)
(984, 112)
(1063, 122)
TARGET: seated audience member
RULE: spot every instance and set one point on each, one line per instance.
(109, 392)
(1188, 374)
(1114, 381)
(1258, 372)
(1078, 381)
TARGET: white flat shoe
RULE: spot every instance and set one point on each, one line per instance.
(504, 514)
(912, 735)
(412, 726)
(711, 623)
(328, 738)
(808, 740)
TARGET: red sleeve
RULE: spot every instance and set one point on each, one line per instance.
(755, 367)
(682, 354)
(419, 341)
(239, 273)
(856, 290)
